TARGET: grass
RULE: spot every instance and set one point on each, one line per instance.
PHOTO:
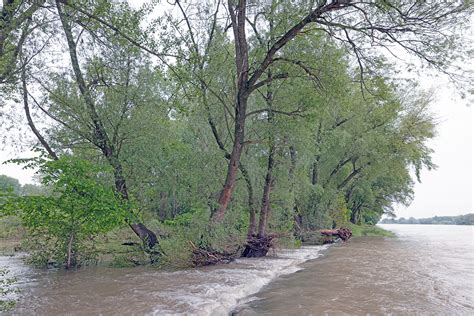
(369, 230)
(10, 227)
(11, 233)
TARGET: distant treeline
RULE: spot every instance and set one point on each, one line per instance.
(467, 219)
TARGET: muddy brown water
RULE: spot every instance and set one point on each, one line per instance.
(214, 290)
(426, 270)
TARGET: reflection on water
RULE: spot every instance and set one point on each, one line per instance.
(427, 270)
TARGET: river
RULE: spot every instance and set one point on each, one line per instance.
(425, 270)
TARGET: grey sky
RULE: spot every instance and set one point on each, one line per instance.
(447, 190)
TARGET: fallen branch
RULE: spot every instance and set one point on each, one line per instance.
(206, 256)
(344, 233)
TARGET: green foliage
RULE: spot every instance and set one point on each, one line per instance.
(193, 229)
(10, 227)
(9, 184)
(346, 139)
(184, 231)
(81, 206)
(340, 214)
(7, 291)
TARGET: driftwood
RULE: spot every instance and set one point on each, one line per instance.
(344, 233)
(258, 246)
(206, 256)
(130, 243)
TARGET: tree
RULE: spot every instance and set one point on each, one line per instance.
(284, 112)
(354, 24)
(81, 206)
(15, 26)
(9, 184)
(89, 125)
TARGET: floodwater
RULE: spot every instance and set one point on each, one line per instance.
(215, 290)
(427, 270)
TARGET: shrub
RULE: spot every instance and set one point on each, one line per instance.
(62, 226)
(7, 290)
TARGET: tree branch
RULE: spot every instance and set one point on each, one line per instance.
(290, 34)
(26, 107)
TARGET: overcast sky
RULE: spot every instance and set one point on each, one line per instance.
(447, 190)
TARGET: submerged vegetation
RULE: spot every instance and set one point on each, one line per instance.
(213, 128)
(7, 291)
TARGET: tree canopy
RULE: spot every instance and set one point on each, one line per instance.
(245, 118)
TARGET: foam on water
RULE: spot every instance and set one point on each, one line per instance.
(212, 290)
(221, 289)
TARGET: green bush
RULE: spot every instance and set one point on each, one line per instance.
(62, 226)
(7, 289)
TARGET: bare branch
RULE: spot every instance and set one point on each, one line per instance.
(262, 83)
(290, 34)
(26, 107)
(297, 112)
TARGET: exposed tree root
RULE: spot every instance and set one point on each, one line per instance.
(207, 256)
(344, 233)
(258, 246)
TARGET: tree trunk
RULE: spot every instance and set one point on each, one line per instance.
(147, 236)
(101, 138)
(226, 193)
(251, 206)
(355, 213)
(234, 160)
(317, 158)
(258, 246)
(245, 174)
(262, 225)
(70, 260)
(265, 210)
(343, 233)
(238, 18)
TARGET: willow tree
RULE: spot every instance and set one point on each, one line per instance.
(92, 110)
(16, 24)
(229, 54)
(365, 29)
